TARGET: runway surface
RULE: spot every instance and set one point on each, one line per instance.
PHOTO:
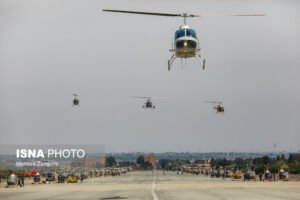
(156, 186)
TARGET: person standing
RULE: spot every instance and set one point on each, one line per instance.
(22, 181)
(19, 182)
(260, 176)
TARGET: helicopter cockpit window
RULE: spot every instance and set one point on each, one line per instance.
(179, 33)
(179, 44)
(192, 44)
(191, 33)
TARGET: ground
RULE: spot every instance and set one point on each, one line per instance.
(149, 186)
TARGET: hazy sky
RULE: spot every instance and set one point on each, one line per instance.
(52, 49)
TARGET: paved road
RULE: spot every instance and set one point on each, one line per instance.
(148, 186)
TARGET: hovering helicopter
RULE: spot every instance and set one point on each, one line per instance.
(217, 106)
(186, 43)
(148, 104)
(75, 100)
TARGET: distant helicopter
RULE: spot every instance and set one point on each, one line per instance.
(75, 100)
(186, 43)
(148, 104)
(217, 106)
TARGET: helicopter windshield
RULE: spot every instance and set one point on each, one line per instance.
(179, 33)
(191, 33)
(185, 32)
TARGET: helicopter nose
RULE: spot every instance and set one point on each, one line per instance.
(185, 44)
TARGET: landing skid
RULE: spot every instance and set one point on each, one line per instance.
(198, 56)
(170, 62)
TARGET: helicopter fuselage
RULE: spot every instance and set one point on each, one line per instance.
(75, 100)
(148, 104)
(185, 42)
(219, 109)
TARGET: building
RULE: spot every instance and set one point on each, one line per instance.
(205, 164)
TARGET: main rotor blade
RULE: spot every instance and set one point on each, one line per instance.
(144, 13)
(158, 97)
(217, 102)
(141, 97)
(149, 97)
(224, 15)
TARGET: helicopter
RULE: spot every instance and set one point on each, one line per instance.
(217, 106)
(148, 104)
(186, 44)
(75, 100)
(12, 180)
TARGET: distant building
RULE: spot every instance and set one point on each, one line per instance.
(203, 163)
(151, 159)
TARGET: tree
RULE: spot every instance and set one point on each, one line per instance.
(291, 158)
(125, 163)
(140, 160)
(163, 163)
(110, 161)
(282, 157)
(260, 169)
(295, 167)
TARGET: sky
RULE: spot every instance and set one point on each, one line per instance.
(52, 49)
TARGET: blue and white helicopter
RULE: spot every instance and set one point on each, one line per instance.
(186, 43)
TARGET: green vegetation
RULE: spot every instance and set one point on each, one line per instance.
(295, 167)
(110, 161)
(143, 165)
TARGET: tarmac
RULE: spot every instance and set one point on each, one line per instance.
(147, 185)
